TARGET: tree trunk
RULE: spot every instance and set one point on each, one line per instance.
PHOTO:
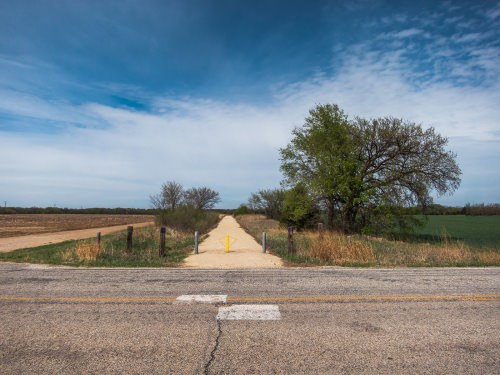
(331, 214)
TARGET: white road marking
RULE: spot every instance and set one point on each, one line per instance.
(249, 312)
(200, 298)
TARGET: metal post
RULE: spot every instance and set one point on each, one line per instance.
(264, 242)
(320, 230)
(196, 242)
(130, 230)
(163, 231)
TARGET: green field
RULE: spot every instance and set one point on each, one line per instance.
(475, 231)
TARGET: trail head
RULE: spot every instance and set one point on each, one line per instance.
(244, 251)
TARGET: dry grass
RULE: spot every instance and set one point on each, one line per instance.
(84, 251)
(256, 224)
(338, 249)
(87, 251)
(447, 253)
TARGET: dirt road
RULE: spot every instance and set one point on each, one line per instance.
(12, 243)
(244, 252)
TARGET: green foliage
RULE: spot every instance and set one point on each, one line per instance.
(188, 219)
(312, 249)
(481, 209)
(299, 209)
(242, 210)
(387, 220)
(354, 166)
(269, 202)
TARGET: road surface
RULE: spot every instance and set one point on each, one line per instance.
(57, 320)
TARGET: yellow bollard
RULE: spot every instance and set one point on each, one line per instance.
(227, 244)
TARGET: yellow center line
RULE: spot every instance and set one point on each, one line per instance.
(467, 297)
(87, 299)
(336, 298)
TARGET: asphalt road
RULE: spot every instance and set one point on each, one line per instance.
(331, 321)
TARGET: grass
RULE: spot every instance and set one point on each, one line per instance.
(340, 250)
(477, 232)
(112, 252)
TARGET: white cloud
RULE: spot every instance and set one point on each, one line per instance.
(232, 148)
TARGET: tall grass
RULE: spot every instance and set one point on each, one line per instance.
(444, 254)
(337, 249)
(112, 250)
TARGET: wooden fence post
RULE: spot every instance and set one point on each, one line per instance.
(163, 231)
(99, 240)
(130, 230)
(291, 250)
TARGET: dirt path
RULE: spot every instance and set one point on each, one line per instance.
(12, 243)
(244, 252)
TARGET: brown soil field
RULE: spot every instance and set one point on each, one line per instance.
(26, 224)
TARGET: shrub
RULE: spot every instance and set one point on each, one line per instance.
(188, 219)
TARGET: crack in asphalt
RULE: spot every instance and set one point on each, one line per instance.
(216, 346)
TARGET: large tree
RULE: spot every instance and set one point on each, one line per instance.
(354, 167)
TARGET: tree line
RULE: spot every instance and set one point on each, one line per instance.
(88, 211)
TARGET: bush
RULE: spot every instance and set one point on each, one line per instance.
(188, 219)
(242, 210)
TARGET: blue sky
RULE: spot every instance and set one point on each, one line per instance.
(102, 101)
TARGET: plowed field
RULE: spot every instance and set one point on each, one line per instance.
(27, 224)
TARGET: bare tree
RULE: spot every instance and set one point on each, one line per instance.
(269, 201)
(202, 198)
(170, 197)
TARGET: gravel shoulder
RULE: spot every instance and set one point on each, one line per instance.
(13, 243)
(244, 251)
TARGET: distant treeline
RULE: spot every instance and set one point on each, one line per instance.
(469, 209)
(90, 211)
(482, 209)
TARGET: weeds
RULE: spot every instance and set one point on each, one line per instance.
(188, 219)
(338, 249)
(112, 251)
(82, 252)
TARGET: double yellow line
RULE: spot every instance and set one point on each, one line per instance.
(337, 298)
(340, 298)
